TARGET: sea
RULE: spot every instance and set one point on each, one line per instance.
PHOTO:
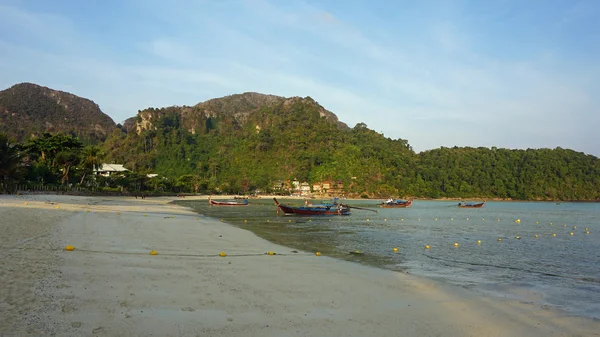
(538, 252)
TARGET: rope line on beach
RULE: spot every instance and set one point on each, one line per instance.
(496, 266)
(190, 255)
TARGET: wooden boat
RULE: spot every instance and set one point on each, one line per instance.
(396, 204)
(471, 205)
(227, 203)
(307, 209)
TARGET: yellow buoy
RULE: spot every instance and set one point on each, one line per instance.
(564, 225)
(419, 219)
(518, 237)
(536, 222)
(271, 253)
(69, 248)
(551, 224)
(57, 206)
(482, 218)
(499, 239)
(402, 219)
(427, 247)
(518, 221)
(25, 203)
(222, 254)
(435, 219)
(268, 220)
(395, 249)
(478, 242)
(385, 219)
(357, 251)
(498, 220)
(368, 220)
(153, 252)
(467, 219)
(574, 227)
(536, 236)
(456, 244)
(318, 253)
(572, 233)
(587, 232)
(245, 220)
(451, 218)
(289, 220)
(553, 234)
(586, 229)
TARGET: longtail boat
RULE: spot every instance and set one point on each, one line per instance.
(399, 203)
(308, 209)
(228, 203)
(471, 205)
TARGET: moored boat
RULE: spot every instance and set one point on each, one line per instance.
(308, 209)
(398, 203)
(228, 202)
(471, 204)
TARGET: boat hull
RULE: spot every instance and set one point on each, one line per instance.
(313, 210)
(396, 204)
(472, 206)
(227, 203)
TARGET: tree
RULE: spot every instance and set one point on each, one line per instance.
(66, 160)
(91, 159)
(9, 157)
(47, 146)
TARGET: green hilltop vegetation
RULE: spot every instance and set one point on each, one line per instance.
(243, 143)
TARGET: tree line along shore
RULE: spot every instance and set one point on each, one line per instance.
(61, 163)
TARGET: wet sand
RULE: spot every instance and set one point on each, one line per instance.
(111, 286)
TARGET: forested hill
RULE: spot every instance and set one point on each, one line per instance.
(28, 109)
(241, 143)
(532, 174)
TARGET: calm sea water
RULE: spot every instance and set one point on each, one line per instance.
(562, 271)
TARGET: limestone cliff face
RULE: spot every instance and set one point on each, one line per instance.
(28, 109)
(231, 111)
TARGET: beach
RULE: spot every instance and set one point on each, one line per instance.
(110, 284)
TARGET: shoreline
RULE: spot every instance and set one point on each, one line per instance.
(110, 285)
(294, 197)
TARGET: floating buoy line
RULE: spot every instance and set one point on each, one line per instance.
(153, 252)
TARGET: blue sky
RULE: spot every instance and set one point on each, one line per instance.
(514, 74)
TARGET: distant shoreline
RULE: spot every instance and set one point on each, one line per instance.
(231, 196)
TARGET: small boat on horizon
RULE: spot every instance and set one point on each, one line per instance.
(397, 203)
(471, 204)
(243, 202)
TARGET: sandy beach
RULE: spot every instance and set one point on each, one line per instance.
(110, 284)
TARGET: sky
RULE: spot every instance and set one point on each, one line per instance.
(504, 73)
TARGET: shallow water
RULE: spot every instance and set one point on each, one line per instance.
(562, 271)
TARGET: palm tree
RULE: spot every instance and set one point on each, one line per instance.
(9, 157)
(91, 159)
